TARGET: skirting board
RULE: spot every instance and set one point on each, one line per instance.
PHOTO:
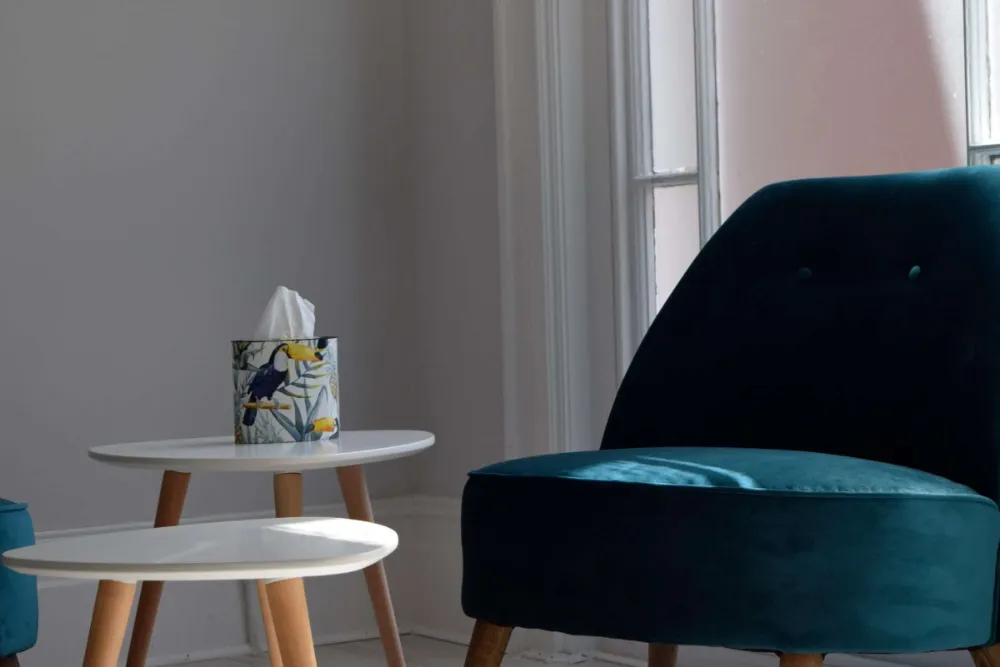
(201, 621)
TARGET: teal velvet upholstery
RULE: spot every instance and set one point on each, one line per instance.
(743, 548)
(18, 595)
(803, 454)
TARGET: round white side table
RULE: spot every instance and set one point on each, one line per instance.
(179, 458)
(278, 551)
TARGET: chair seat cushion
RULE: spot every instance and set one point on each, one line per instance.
(18, 594)
(742, 548)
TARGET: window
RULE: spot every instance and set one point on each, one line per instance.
(982, 43)
(672, 173)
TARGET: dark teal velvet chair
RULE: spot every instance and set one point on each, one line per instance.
(18, 594)
(803, 455)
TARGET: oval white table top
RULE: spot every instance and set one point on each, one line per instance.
(220, 454)
(227, 550)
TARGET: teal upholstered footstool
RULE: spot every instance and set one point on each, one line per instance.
(18, 593)
(803, 457)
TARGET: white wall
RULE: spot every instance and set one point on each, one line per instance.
(156, 157)
(854, 88)
(163, 166)
(451, 127)
(837, 88)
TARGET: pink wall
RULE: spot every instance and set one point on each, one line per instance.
(820, 88)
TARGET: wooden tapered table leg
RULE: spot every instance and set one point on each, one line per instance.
(359, 507)
(107, 625)
(287, 503)
(173, 490)
(291, 622)
(487, 646)
(288, 494)
(273, 649)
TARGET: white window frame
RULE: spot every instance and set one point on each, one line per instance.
(635, 178)
(572, 313)
(982, 54)
(544, 207)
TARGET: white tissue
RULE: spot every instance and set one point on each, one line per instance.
(287, 315)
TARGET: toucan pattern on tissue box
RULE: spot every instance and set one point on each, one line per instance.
(285, 390)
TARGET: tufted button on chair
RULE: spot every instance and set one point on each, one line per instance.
(802, 457)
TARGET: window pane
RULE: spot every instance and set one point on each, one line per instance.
(676, 235)
(671, 84)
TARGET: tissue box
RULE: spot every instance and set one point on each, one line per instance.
(285, 390)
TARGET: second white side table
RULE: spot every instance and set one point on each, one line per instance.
(277, 550)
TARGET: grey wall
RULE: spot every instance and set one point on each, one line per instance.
(451, 126)
(163, 166)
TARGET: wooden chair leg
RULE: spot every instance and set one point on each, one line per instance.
(986, 656)
(487, 645)
(9, 661)
(801, 660)
(173, 490)
(663, 655)
(359, 507)
(291, 622)
(107, 625)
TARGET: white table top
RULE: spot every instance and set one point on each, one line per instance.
(221, 454)
(228, 550)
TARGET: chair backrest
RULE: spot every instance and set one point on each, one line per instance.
(856, 316)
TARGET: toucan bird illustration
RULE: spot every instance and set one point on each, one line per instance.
(274, 374)
(323, 425)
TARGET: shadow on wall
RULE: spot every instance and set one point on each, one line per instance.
(837, 88)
